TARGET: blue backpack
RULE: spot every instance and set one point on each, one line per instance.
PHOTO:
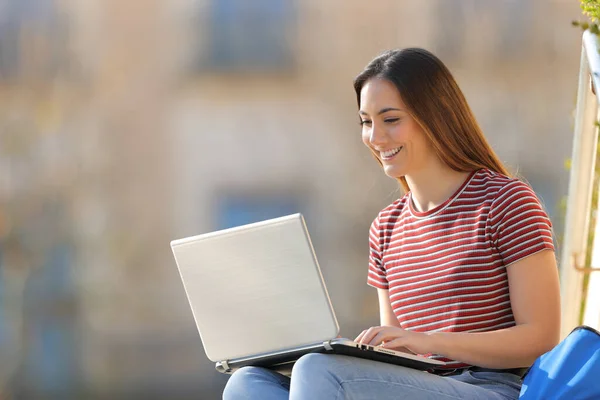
(569, 371)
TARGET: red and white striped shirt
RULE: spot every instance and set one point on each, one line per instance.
(445, 269)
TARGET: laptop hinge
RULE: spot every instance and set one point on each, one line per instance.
(327, 345)
(226, 367)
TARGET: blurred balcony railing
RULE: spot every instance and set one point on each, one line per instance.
(579, 204)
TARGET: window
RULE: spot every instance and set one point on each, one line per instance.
(42, 246)
(38, 27)
(51, 362)
(245, 209)
(249, 36)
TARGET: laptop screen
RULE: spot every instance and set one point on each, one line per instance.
(255, 289)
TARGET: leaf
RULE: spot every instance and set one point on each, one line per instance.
(567, 164)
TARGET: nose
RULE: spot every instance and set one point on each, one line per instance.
(377, 137)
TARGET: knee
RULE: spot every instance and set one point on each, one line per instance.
(238, 382)
(317, 376)
(314, 365)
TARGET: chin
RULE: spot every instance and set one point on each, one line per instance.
(393, 172)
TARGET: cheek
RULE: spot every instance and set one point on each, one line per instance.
(400, 132)
(415, 130)
(408, 131)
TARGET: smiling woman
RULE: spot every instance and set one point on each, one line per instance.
(463, 263)
(392, 134)
(414, 85)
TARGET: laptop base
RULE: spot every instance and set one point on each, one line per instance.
(283, 361)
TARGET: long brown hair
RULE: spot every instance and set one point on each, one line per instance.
(435, 101)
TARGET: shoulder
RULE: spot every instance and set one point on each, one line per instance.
(499, 187)
(511, 197)
(394, 210)
(388, 216)
(490, 181)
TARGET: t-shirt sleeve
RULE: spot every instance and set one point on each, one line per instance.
(519, 226)
(377, 275)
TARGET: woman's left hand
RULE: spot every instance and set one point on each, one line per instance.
(394, 338)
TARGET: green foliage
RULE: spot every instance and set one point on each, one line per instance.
(591, 8)
(593, 27)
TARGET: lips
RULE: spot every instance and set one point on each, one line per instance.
(389, 154)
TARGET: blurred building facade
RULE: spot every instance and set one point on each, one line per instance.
(158, 120)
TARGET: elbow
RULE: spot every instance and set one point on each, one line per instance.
(547, 345)
(552, 335)
(545, 340)
(552, 341)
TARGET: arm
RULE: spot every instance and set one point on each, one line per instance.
(535, 300)
(521, 232)
(387, 317)
(518, 225)
(386, 314)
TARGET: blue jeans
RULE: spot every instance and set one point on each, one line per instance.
(330, 377)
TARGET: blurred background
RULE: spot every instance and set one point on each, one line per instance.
(126, 124)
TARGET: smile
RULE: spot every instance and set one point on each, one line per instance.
(389, 154)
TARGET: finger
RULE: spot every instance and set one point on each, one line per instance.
(362, 335)
(359, 337)
(369, 334)
(397, 343)
(402, 349)
(383, 335)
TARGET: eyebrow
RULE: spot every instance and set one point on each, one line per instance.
(382, 111)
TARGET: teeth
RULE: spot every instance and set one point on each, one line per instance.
(390, 153)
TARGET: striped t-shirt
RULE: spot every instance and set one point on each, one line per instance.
(445, 269)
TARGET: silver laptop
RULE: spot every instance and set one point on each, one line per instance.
(258, 298)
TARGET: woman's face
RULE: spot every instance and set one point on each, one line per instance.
(390, 131)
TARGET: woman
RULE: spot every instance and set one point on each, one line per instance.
(463, 263)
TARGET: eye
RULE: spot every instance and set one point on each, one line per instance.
(365, 122)
(391, 120)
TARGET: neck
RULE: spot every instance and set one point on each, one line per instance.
(433, 185)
